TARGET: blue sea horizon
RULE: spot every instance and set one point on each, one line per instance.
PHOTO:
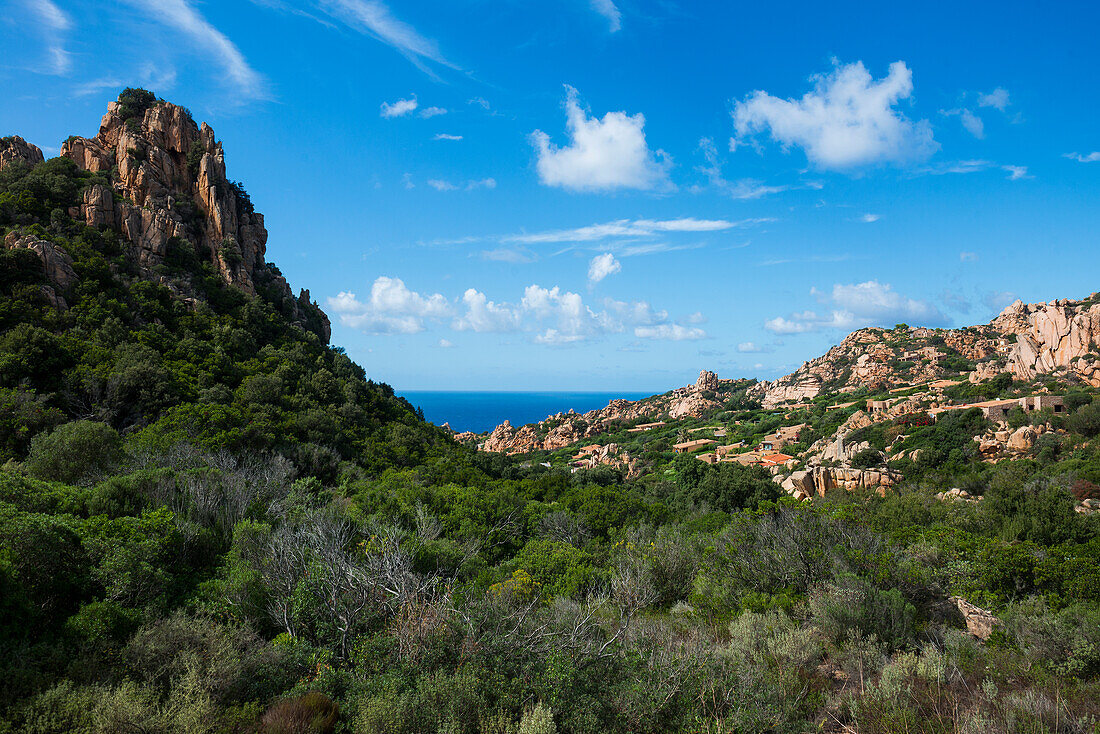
(481, 411)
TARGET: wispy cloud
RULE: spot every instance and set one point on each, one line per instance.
(182, 17)
(609, 10)
(631, 228)
(1015, 173)
(810, 259)
(443, 185)
(53, 23)
(870, 218)
(1092, 157)
(375, 19)
(743, 189)
(514, 255)
(445, 136)
(970, 121)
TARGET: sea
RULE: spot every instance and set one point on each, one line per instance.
(484, 411)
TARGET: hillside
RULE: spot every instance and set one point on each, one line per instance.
(825, 426)
(211, 522)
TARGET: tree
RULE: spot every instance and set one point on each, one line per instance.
(80, 452)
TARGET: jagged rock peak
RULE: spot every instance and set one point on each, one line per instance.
(168, 180)
(170, 176)
(707, 381)
(15, 148)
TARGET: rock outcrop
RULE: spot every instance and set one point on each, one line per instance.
(707, 381)
(15, 148)
(979, 622)
(1060, 335)
(817, 480)
(56, 263)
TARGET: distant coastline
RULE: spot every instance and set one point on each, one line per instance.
(481, 411)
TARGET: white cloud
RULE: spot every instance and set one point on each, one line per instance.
(550, 315)
(391, 309)
(53, 23)
(446, 343)
(968, 257)
(429, 112)
(607, 9)
(375, 19)
(407, 181)
(179, 14)
(441, 185)
(445, 136)
(998, 98)
(602, 155)
(1015, 173)
(400, 108)
(858, 305)
(848, 120)
(603, 266)
(669, 332)
(484, 315)
(870, 218)
(751, 348)
(1092, 157)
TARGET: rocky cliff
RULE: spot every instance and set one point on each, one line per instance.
(166, 183)
(1025, 340)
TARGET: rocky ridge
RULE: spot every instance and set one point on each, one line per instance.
(1025, 340)
(565, 429)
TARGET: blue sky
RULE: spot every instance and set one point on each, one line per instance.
(614, 194)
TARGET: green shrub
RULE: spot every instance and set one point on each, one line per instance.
(854, 605)
(1086, 420)
(313, 713)
(537, 720)
(80, 452)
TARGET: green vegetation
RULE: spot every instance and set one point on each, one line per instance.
(211, 521)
